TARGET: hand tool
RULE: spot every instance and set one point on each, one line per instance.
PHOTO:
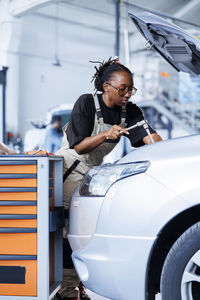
(146, 127)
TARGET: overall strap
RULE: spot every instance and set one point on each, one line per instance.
(98, 110)
(68, 172)
(123, 115)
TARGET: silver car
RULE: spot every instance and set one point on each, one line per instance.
(135, 224)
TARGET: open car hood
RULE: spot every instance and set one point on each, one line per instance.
(180, 49)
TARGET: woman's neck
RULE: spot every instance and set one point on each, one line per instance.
(108, 102)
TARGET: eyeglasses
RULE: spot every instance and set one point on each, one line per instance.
(124, 91)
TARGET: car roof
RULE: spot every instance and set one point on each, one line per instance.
(58, 110)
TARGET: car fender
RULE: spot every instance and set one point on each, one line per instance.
(138, 206)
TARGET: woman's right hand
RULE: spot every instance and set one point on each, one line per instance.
(91, 142)
(115, 132)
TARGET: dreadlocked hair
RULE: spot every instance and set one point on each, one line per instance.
(105, 71)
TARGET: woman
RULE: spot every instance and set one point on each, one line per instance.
(97, 123)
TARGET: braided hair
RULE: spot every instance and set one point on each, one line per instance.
(105, 71)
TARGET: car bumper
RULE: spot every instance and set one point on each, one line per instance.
(98, 265)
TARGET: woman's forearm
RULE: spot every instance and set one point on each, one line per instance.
(90, 143)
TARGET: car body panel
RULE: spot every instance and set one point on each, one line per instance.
(115, 206)
(177, 148)
(87, 212)
(128, 220)
(180, 49)
(181, 154)
(100, 264)
(138, 207)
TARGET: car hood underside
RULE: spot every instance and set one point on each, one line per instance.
(180, 49)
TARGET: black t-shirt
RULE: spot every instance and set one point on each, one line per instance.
(82, 118)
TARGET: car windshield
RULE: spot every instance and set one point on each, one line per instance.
(65, 116)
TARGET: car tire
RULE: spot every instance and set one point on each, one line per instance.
(180, 278)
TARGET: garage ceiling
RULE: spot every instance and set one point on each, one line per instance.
(100, 15)
(182, 9)
(170, 7)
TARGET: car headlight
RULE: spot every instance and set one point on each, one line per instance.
(99, 179)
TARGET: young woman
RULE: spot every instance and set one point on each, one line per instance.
(96, 125)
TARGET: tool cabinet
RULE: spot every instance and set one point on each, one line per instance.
(31, 221)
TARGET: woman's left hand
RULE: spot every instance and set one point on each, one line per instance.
(156, 137)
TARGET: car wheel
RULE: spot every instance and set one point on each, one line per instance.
(180, 278)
